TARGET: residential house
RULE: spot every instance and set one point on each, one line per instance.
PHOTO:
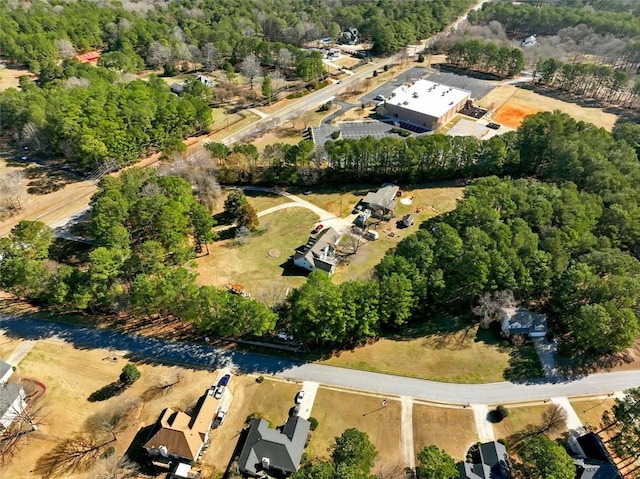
(407, 220)
(180, 436)
(530, 41)
(518, 320)
(382, 202)
(319, 252)
(12, 403)
(492, 462)
(594, 462)
(6, 370)
(274, 451)
(350, 36)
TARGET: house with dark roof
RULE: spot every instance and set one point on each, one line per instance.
(272, 451)
(12, 403)
(319, 252)
(180, 436)
(381, 203)
(595, 461)
(522, 321)
(491, 462)
(6, 370)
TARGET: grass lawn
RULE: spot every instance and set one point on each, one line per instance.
(522, 417)
(337, 411)
(261, 262)
(450, 354)
(453, 430)
(71, 375)
(590, 410)
(262, 200)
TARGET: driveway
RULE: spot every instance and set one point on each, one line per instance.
(207, 357)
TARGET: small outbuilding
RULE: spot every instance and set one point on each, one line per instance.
(407, 220)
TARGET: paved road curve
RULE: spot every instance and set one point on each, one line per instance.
(156, 350)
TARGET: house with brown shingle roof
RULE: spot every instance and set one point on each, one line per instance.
(180, 436)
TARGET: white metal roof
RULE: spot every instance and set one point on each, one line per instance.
(428, 98)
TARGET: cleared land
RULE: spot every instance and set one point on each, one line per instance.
(450, 356)
(337, 411)
(71, 375)
(512, 105)
(590, 411)
(261, 261)
(453, 430)
(7, 344)
(522, 418)
(10, 75)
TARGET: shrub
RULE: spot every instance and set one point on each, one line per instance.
(130, 374)
(335, 135)
(420, 58)
(313, 423)
(260, 379)
(501, 412)
(386, 68)
(505, 443)
(375, 73)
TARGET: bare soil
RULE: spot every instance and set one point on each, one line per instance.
(512, 105)
(9, 76)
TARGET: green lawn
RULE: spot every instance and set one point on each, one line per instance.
(262, 200)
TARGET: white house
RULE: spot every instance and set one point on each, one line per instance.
(530, 41)
(12, 403)
(319, 252)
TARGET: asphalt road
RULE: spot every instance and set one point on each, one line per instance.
(156, 350)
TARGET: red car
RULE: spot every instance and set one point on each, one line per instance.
(317, 229)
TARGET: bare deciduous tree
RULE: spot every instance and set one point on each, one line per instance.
(116, 468)
(489, 306)
(25, 423)
(65, 48)
(250, 67)
(158, 55)
(11, 191)
(163, 388)
(554, 418)
(284, 58)
(211, 57)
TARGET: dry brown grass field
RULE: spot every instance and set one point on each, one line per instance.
(523, 417)
(71, 375)
(451, 429)
(337, 411)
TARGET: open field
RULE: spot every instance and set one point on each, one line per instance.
(9, 76)
(453, 430)
(71, 375)
(290, 132)
(590, 410)
(261, 261)
(512, 105)
(522, 417)
(262, 200)
(448, 356)
(337, 411)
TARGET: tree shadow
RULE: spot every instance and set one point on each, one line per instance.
(73, 253)
(107, 392)
(524, 365)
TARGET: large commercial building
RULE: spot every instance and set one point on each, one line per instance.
(426, 104)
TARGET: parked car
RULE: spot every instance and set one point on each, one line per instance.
(357, 210)
(299, 397)
(317, 229)
(493, 126)
(224, 380)
(219, 418)
(283, 336)
(379, 98)
(219, 392)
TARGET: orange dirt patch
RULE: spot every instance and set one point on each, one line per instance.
(513, 115)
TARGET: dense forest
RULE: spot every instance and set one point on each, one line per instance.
(86, 115)
(157, 33)
(565, 237)
(522, 20)
(486, 57)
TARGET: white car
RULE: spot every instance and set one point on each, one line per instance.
(219, 392)
(299, 397)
